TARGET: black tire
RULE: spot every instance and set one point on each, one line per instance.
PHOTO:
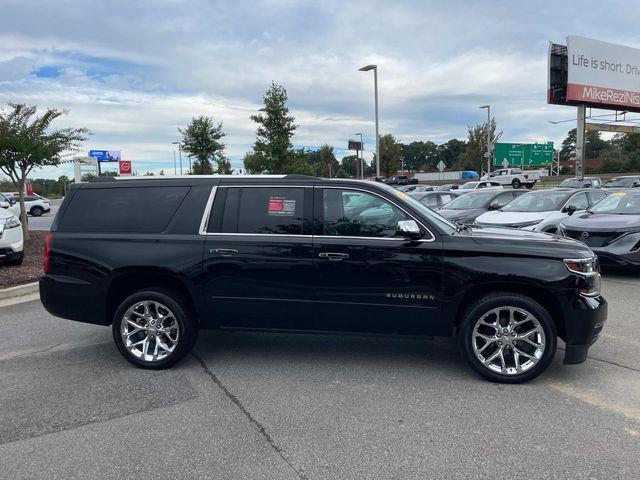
(529, 185)
(15, 261)
(515, 183)
(188, 331)
(483, 306)
(36, 211)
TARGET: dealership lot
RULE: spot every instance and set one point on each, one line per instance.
(286, 406)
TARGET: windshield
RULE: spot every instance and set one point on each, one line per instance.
(537, 202)
(573, 183)
(471, 200)
(619, 182)
(618, 203)
(446, 225)
(469, 186)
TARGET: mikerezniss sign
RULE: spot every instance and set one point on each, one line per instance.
(602, 73)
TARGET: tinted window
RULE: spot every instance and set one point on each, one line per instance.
(579, 201)
(264, 210)
(370, 216)
(129, 209)
(502, 199)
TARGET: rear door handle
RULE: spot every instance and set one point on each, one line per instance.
(224, 252)
(333, 256)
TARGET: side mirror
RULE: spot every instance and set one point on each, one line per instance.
(494, 206)
(570, 209)
(4, 204)
(13, 201)
(408, 229)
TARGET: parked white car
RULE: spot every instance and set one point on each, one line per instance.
(543, 210)
(515, 177)
(11, 239)
(471, 186)
(34, 204)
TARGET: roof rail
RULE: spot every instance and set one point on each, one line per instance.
(296, 176)
(103, 179)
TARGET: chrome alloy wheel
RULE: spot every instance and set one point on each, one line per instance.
(149, 331)
(508, 340)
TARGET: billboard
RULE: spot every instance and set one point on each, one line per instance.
(355, 145)
(594, 73)
(105, 155)
(523, 154)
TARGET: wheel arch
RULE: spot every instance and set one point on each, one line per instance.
(128, 281)
(545, 298)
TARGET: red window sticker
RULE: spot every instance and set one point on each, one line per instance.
(281, 207)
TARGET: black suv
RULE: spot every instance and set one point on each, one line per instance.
(160, 258)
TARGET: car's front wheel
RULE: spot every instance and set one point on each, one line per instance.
(507, 338)
(516, 183)
(154, 328)
(36, 211)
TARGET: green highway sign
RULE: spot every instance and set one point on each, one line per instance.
(523, 154)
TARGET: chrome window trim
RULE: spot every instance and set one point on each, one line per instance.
(204, 222)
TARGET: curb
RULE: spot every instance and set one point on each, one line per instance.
(19, 291)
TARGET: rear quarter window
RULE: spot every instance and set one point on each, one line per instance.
(120, 210)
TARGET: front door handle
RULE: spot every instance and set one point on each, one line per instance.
(224, 252)
(334, 256)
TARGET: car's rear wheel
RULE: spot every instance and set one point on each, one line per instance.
(153, 328)
(516, 183)
(508, 338)
(529, 185)
(16, 260)
(36, 211)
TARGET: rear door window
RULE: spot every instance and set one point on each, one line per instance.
(264, 210)
(123, 209)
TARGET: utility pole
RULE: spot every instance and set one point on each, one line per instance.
(488, 107)
(375, 89)
(580, 128)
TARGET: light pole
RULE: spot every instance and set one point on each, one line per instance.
(375, 89)
(179, 153)
(361, 159)
(175, 169)
(488, 107)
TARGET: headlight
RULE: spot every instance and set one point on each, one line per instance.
(11, 222)
(589, 271)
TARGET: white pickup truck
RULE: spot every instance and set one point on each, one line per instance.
(515, 177)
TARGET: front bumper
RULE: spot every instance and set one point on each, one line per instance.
(11, 240)
(583, 323)
(623, 252)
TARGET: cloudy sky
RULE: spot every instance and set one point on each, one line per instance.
(133, 71)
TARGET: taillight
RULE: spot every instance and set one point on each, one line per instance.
(526, 177)
(47, 253)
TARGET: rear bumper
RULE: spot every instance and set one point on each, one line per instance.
(74, 299)
(584, 320)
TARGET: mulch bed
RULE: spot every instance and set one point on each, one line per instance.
(31, 268)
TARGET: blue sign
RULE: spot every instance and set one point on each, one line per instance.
(105, 155)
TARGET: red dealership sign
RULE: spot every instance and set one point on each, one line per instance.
(125, 167)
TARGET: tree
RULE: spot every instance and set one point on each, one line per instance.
(202, 140)
(477, 147)
(594, 146)
(420, 155)
(451, 154)
(389, 155)
(568, 147)
(348, 165)
(272, 151)
(27, 142)
(326, 164)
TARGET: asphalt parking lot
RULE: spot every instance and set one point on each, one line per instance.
(44, 222)
(318, 407)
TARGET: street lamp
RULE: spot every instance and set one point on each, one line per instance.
(179, 152)
(375, 88)
(361, 156)
(488, 107)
